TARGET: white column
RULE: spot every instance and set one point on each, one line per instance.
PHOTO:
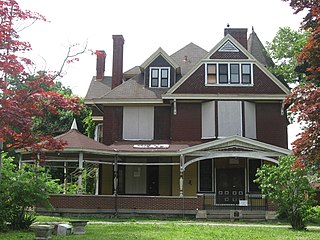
(181, 175)
(97, 181)
(80, 175)
(115, 180)
(65, 182)
(20, 161)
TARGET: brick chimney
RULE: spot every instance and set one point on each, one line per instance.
(240, 34)
(117, 66)
(101, 62)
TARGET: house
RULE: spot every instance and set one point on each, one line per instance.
(186, 131)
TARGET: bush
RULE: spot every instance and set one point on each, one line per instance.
(21, 190)
(314, 214)
(290, 188)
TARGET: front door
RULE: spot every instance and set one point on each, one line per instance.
(153, 180)
(230, 185)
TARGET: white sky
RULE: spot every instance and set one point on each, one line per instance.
(146, 25)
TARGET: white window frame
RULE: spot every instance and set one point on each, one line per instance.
(159, 76)
(229, 74)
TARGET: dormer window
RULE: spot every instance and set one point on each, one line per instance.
(159, 77)
(228, 74)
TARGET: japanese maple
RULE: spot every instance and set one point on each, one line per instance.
(305, 99)
(24, 95)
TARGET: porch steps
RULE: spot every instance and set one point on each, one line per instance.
(235, 214)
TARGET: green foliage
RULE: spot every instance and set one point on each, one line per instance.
(283, 49)
(21, 190)
(290, 188)
(314, 214)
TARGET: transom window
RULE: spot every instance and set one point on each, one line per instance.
(159, 77)
(228, 73)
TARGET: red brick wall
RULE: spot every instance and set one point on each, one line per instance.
(126, 202)
(271, 125)
(112, 124)
(186, 124)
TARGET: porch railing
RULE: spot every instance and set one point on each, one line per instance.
(254, 202)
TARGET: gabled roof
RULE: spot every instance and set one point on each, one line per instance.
(132, 89)
(188, 56)
(98, 88)
(250, 57)
(160, 52)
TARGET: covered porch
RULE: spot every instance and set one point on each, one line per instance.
(166, 178)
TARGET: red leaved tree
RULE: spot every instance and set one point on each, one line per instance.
(23, 94)
(305, 99)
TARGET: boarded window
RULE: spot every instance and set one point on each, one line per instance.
(229, 118)
(138, 123)
(208, 119)
(250, 120)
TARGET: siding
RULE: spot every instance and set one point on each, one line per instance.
(112, 124)
(271, 125)
(186, 125)
(162, 123)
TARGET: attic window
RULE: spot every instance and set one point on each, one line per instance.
(159, 77)
(228, 47)
(229, 74)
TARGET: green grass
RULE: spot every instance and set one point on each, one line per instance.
(132, 230)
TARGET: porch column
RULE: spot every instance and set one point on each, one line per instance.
(20, 162)
(65, 182)
(181, 174)
(115, 180)
(80, 173)
(97, 181)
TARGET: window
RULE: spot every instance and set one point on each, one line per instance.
(254, 164)
(98, 133)
(205, 175)
(159, 77)
(229, 118)
(234, 73)
(246, 73)
(228, 74)
(138, 123)
(212, 73)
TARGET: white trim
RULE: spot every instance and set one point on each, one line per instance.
(159, 76)
(107, 101)
(228, 50)
(279, 97)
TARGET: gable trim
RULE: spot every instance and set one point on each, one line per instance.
(276, 97)
(251, 58)
(160, 52)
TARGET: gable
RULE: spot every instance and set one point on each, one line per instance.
(195, 84)
(230, 54)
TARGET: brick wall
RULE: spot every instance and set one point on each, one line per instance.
(126, 202)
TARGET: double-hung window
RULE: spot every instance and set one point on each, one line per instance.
(159, 77)
(228, 74)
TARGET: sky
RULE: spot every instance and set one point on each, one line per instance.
(145, 25)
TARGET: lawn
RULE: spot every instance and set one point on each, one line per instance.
(176, 230)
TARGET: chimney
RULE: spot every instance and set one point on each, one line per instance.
(240, 34)
(101, 62)
(117, 66)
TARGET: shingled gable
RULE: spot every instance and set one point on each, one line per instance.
(156, 54)
(248, 57)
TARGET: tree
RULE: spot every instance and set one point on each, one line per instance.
(24, 95)
(304, 100)
(289, 187)
(283, 49)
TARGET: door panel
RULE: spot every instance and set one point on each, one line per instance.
(230, 185)
(153, 180)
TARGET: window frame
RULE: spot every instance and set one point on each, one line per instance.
(160, 78)
(229, 83)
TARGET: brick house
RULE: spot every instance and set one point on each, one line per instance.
(186, 131)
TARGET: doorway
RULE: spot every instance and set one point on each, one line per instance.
(153, 180)
(230, 185)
